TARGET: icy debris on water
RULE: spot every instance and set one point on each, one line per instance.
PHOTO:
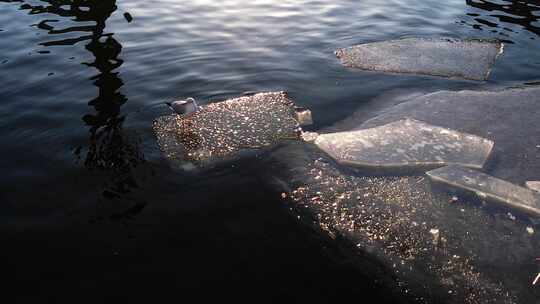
(489, 187)
(436, 234)
(391, 217)
(225, 128)
(406, 143)
(303, 116)
(447, 57)
(401, 222)
(309, 136)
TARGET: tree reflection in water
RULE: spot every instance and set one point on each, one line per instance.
(525, 13)
(109, 149)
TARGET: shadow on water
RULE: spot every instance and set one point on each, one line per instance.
(109, 148)
(493, 16)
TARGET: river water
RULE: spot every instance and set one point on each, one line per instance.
(90, 207)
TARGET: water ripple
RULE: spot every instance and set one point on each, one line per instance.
(74, 71)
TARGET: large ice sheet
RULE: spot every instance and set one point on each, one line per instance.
(448, 57)
(487, 186)
(509, 117)
(437, 248)
(225, 128)
(405, 143)
(440, 248)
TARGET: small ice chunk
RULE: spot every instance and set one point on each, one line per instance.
(436, 235)
(309, 136)
(447, 57)
(405, 143)
(495, 189)
(304, 117)
(533, 185)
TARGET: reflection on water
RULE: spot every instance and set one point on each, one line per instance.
(108, 146)
(222, 51)
(498, 15)
(218, 54)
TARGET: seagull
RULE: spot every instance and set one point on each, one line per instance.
(184, 107)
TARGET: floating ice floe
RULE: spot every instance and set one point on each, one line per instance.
(225, 128)
(489, 187)
(508, 117)
(398, 223)
(447, 57)
(418, 234)
(405, 143)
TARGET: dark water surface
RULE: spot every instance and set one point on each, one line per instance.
(89, 208)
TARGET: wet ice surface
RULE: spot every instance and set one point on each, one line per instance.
(447, 57)
(533, 185)
(508, 117)
(487, 186)
(222, 129)
(405, 143)
(442, 247)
